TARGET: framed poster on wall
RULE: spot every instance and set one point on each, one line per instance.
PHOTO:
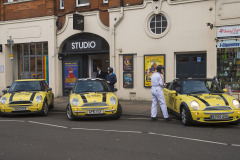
(127, 79)
(127, 62)
(150, 66)
(71, 74)
(96, 62)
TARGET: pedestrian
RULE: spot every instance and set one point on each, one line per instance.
(100, 73)
(157, 95)
(111, 78)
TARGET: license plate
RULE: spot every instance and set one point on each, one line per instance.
(20, 109)
(219, 117)
(95, 112)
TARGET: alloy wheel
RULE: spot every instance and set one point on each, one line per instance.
(183, 116)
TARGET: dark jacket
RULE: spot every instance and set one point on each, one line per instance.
(112, 79)
(101, 75)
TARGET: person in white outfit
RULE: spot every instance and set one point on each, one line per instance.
(157, 95)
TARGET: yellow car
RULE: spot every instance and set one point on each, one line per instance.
(27, 96)
(92, 98)
(201, 101)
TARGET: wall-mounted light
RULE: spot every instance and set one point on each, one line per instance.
(211, 25)
(60, 57)
(210, 9)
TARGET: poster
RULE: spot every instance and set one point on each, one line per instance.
(128, 62)
(71, 74)
(127, 79)
(96, 62)
(150, 66)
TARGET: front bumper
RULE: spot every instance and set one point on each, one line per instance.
(35, 108)
(205, 116)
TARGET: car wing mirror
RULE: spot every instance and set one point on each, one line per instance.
(4, 91)
(115, 90)
(173, 92)
(49, 89)
(8, 86)
(225, 90)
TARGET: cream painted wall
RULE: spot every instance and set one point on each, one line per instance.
(41, 29)
(188, 34)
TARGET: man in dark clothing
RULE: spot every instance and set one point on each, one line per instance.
(111, 78)
(100, 73)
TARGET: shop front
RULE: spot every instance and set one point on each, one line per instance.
(228, 59)
(81, 55)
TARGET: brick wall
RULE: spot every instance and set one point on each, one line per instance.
(116, 3)
(30, 9)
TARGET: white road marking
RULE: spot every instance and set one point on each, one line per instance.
(87, 129)
(47, 124)
(12, 121)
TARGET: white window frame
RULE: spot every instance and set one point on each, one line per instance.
(80, 5)
(61, 7)
(105, 1)
(155, 24)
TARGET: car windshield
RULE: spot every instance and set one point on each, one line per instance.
(91, 86)
(25, 86)
(200, 86)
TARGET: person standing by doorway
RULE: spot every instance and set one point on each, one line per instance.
(157, 95)
(100, 73)
(111, 78)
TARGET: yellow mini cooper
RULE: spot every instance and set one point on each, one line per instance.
(27, 96)
(201, 101)
(92, 98)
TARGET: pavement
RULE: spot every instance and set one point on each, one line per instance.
(138, 108)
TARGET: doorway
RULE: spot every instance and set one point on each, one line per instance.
(191, 65)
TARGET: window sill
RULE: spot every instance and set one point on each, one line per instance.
(15, 2)
(83, 5)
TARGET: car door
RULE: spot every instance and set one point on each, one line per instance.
(49, 93)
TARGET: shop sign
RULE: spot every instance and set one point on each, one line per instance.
(150, 66)
(229, 44)
(78, 22)
(84, 45)
(228, 32)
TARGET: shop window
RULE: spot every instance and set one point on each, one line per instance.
(228, 68)
(183, 59)
(158, 24)
(82, 3)
(61, 4)
(32, 49)
(26, 49)
(105, 1)
(39, 48)
(10, 0)
(45, 48)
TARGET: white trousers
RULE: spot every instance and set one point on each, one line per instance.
(158, 96)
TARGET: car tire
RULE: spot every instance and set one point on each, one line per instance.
(52, 104)
(69, 113)
(45, 109)
(119, 112)
(185, 116)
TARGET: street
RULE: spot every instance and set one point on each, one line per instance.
(132, 137)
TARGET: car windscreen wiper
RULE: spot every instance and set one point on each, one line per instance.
(83, 91)
(199, 92)
(17, 91)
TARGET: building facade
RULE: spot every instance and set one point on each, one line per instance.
(133, 36)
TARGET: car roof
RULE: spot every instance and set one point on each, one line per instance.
(196, 79)
(29, 80)
(91, 79)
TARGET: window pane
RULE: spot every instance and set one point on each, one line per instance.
(152, 24)
(158, 31)
(163, 29)
(32, 49)
(83, 1)
(39, 48)
(26, 64)
(26, 49)
(183, 59)
(39, 67)
(19, 50)
(163, 18)
(153, 19)
(153, 30)
(164, 24)
(20, 63)
(158, 18)
(45, 48)
(158, 24)
(32, 67)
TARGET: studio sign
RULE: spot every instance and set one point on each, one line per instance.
(84, 45)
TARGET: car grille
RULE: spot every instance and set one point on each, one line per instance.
(217, 108)
(20, 103)
(94, 104)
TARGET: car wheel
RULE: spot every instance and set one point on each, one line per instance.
(69, 113)
(185, 115)
(52, 104)
(119, 112)
(44, 109)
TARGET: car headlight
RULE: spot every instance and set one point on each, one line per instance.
(75, 102)
(195, 105)
(235, 103)
(113, 100)
(38, 98)
(3, 100)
